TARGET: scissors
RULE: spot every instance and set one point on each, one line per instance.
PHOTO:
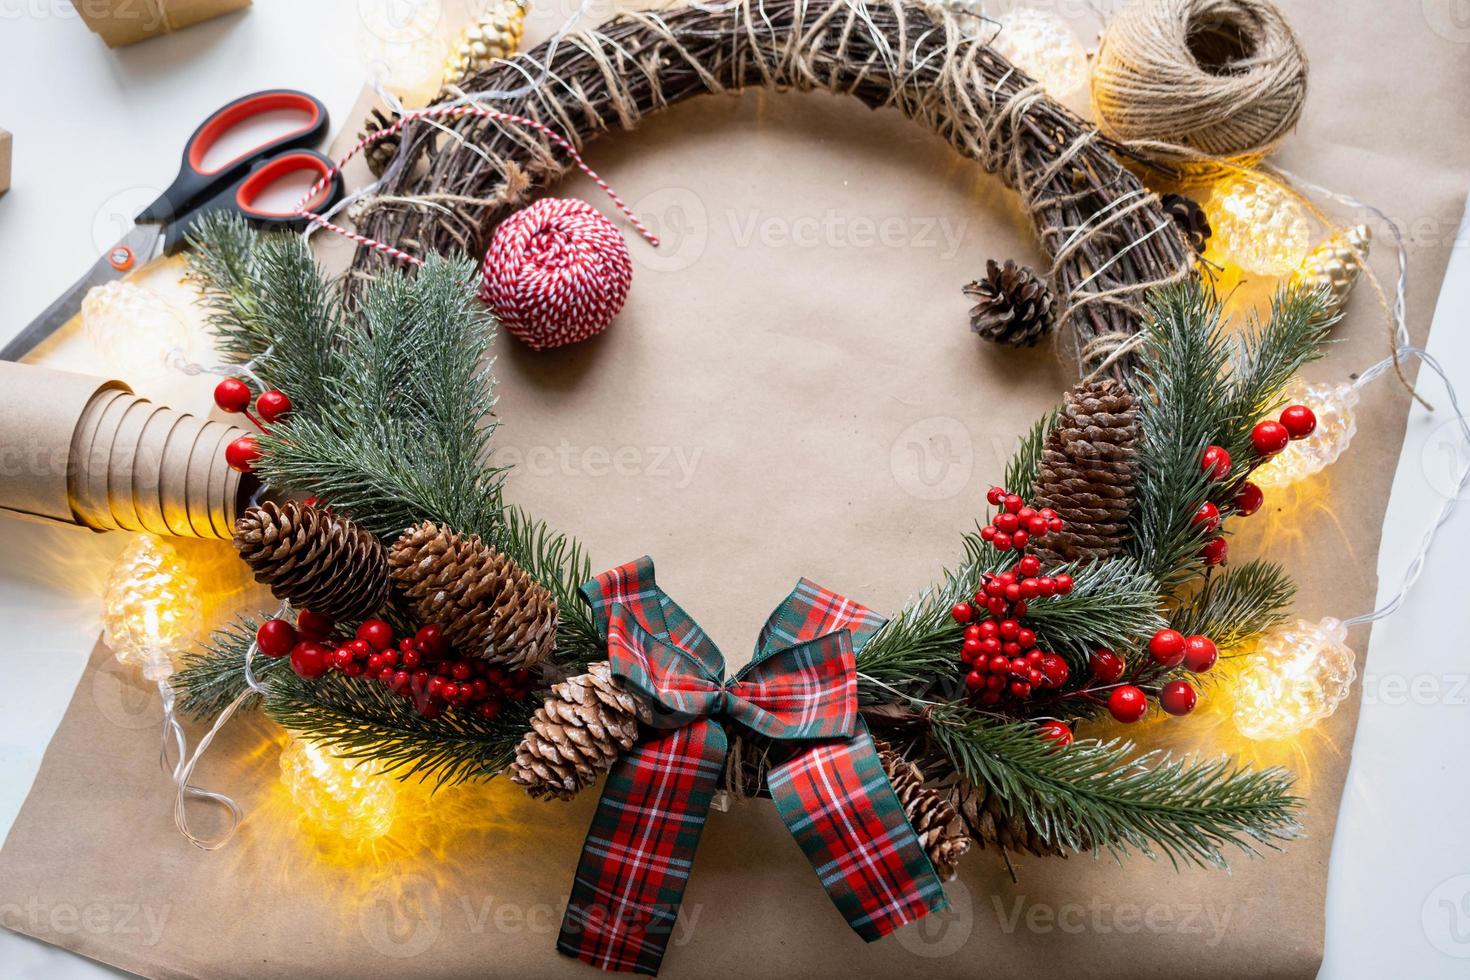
(236, 185)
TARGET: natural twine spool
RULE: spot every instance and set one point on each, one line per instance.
(1220, 78)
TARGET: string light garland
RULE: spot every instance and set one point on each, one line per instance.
(1334, 406)
(1258, 226)
(338, 796)
(1298, 675)
(152, 612)
(132, 329)
(1041, 44)
(403, 45)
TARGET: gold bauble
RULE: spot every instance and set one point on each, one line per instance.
(494, 35)
(1336, 265)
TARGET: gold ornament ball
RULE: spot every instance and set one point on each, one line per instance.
(336, 795)
(152, 612)
(1298, 675)
(1335, 407)
(1335, 265)
(1258, 226)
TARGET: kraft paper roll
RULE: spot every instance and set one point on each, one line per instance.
(87, 451)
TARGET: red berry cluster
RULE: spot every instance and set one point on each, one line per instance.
(1017, 523)
(1001, 654)
(1167, 650)
(417, 667)
(233, 395)
(1267, 439)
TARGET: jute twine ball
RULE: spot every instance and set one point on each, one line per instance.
(556, 272)
(1226, 78)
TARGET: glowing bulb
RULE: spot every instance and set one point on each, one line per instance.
(1333, 405)
(356, 802)
(1042, 45)
(1298, 675)
(1258, 227)
(132, 329)
(151, 607)
(402, 42)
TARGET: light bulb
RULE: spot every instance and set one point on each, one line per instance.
(151, 607)
(1299, 673)
(356, 802)
(1333, 404)
(132, 329)
(403, 45)
(1042, 45)
(1258, 227)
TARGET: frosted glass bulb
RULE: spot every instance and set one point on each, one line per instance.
(151, 607)
(404, 46)
(1334, 405)
(1258, 227)
(132, 329)
(1299, 673)
(1042, 45)
(356, 802)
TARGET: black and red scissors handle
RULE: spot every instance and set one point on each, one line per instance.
(244, 196)
(195, 184)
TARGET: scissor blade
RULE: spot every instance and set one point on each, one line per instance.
(144, 241)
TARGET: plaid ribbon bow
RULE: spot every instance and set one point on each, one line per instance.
(801, 689)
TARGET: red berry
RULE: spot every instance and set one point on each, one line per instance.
(1025, 637)
(1127, 704)
(961, 612)
(1012, 649)
(1030, 588)
(1055, 669)
(1020, 689)
(1029, 566)
(1018, 610)
(342, 658)
(242, 454)
(431, 640)
(1046, 585)
(1269, 438)
(997, 606)
(1200, 654)
(375, 633)
(272, 405)
(1002, 542)
(1106, 665)
(1300, 421)
(1214, 551)
(987, 532)
(1038, 526)
(990, 646)
(314, 626)
(996, 496)
(1013, 592)
(490, 710)
(975, 681)
(994, 681)
(999, 664)
(1006, 523)
(1248, 499)
(1010, 629)
(411, 658)
(309, 659)
(275, 638)
(1014, 503)
(974, 632)
(1018, 666)
(1056, 732)
(1215, 462)
(989, 628)
(232, 395)
(1020, 538)
(1208, 515)
(971, 649)
(1064, 584)
(1167, 648)
(1177, 697)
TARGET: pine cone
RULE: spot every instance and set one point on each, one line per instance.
(484, 602)
(379, 155)
(1087, 473)
(1336, 265)
(989, 823)
(584, 725)
(495, 34)
(1013, 305)
(934, 818)
(317, 559)
(1190, 218)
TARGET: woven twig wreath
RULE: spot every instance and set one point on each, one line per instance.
(1108, 238)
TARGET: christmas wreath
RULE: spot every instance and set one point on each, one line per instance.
(439, 633)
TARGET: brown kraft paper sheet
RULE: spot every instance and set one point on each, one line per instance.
(790, 391)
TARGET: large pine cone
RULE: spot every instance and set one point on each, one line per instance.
(1013, 305)
(1087, 473)
(584, 725)
(990, 824)
(315, 558)
(484, 602)
(934, 818)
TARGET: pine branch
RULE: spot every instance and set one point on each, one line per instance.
(214, 675)
(557, 561)
(1101, 796)
(1237, 603)
(1267, 358)
(1024, 468)
(1112, 603)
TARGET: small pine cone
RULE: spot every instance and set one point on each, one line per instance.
(484, 602)
(937, 824)
(317, 559)
(581, 729)
(1335, 265)
(1190, 217)
(990, 824)
(379, 155)
(1087, 473)
(494, 35)
(1013, 305)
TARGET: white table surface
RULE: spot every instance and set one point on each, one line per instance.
(97, 134)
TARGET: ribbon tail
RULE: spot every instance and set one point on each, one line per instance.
(640, 849)
(839, 805)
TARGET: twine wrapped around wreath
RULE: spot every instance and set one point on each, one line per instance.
(1108, 238)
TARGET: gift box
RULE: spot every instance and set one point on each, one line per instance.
(122, 22)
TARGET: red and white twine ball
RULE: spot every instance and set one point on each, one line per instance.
(556, 272)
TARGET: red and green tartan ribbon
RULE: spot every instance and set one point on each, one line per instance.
(801, 689)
